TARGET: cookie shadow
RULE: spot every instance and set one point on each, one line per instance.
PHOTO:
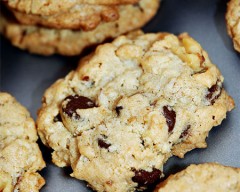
(62, 66)
(220, 23)
(66, 171)
(46, 154)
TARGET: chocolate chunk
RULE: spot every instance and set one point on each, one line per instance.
(170, 116)
(214, 92)
(211, 91)
(77, 102)
(85, 78)
(143, 177)
(118, 109)
(185, 132)
(103, 144)
(57, 118)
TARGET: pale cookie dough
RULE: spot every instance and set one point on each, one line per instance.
(20, 156)
(50, 7)
(208, 177)
(233, 22)
(86, 17)
(70, 42)
(131, 105)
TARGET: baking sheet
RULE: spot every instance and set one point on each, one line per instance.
(27, 76)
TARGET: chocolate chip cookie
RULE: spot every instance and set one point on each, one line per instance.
(20, 156)
(208, 177)
(233, 22)
(48, 41)
(131, 105)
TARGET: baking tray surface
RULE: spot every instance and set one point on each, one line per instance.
(27, 76)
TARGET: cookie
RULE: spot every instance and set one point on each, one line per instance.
(20, 156)
(129, 106)
(70, 42)
(233, 22)
(208, 177)
(50, 7)
(86, 17)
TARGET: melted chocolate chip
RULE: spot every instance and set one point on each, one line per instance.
(118, 109)
(103, 144)
(77, 102)
(143, 177)
(57, 118)
(202, 71)
(202, 59)
(185, 132)
(214, 92)
(85, 78)
(170, 116)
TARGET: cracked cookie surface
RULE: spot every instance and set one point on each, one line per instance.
(20, 156)
(85, 17)
(233, 22)
(208, 177)
(131, 105)
(50, 7)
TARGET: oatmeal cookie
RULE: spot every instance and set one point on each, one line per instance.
(208, 177)
(50, 7)
(86, 17)
(131, 105)
(71, 42)
(233, 22)
(20, 156)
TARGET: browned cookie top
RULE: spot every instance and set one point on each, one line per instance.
(50, 7)
(48, 41)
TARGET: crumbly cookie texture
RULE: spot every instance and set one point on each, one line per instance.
(20, 156)
(86, 17)
(50, 7)
(233, 22)
(131, 105)
(208, 177)
(70, 42)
